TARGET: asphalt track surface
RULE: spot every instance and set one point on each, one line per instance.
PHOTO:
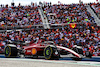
(13, 62)
(63, 62)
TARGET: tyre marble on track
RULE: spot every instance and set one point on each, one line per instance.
(9, 62)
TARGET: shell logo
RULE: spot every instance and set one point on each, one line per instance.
(34, 51)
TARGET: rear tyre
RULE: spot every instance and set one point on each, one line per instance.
(10, 51)
(51, 53)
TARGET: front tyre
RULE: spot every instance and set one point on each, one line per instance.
(10, 51)
(51, 53)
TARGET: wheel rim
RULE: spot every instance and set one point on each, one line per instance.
(47, 52)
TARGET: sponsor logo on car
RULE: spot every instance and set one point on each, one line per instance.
(28, 51)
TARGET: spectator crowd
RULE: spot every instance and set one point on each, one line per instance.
(19, 15)
(72, 13)
(86, 35)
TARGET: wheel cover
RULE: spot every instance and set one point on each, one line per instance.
(47, 52)
(7, 51)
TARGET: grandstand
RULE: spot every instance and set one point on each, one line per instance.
(66, 24)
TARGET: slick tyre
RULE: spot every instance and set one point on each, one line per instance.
(51, 53)
(10, 51)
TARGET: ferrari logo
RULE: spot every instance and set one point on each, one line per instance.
(72, 25)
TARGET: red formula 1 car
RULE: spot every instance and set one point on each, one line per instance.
(48, 49)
